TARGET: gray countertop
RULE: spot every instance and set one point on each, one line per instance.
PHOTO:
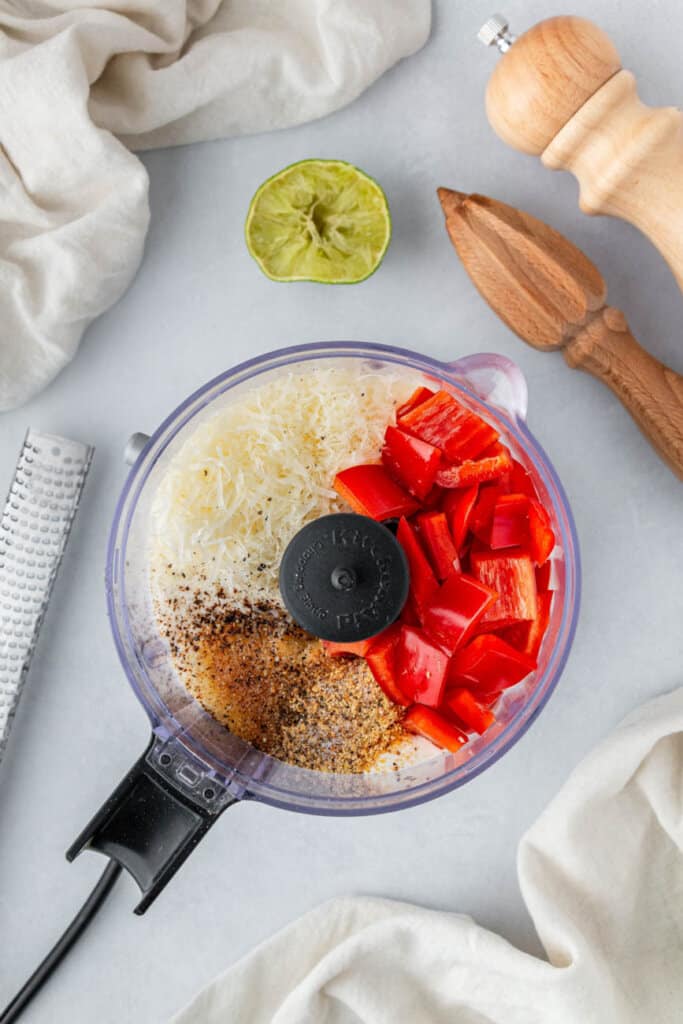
(199, 305)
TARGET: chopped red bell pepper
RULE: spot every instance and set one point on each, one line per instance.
(528, 636)
(455, 609)
(482, 513)
(457, 506)
(381, 659)
(434, 498)
(438, 543)
(490, 698)
(511, 574)
(444, 422)
(409, 616)
(423, 582)
(488, 664)
(421, 667)
(520, 481)
(541, 536)
(433, 726)
(490, 465)
(369, 489)
(338, 650)
(464, 557)
(478, 511)
(418, 396)
(544, 577)
(509, 526)
(411, 462)
(467, 710)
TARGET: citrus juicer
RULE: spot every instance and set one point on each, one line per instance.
(559, 92)
(193, 767)
(553, 297)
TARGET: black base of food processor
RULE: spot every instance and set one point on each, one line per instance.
(155, 817)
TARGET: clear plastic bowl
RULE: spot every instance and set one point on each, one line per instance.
(489, 384)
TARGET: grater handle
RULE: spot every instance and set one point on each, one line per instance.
(155, 817)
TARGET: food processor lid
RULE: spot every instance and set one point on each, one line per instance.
(344, 577)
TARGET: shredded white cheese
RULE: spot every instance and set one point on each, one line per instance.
(252, 474)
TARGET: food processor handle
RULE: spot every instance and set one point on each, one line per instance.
(156, 816)
(495, 379)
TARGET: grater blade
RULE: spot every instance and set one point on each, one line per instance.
(34, 529)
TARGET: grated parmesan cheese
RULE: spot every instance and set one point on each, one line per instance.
(257, 470)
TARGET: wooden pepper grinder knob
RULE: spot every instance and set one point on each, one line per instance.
(560, 92)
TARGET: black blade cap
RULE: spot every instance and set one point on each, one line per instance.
(344, 577)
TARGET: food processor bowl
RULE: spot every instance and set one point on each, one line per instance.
(196, 762)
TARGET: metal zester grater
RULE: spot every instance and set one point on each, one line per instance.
(34, 529)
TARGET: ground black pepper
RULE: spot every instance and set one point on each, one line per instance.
(273, 685)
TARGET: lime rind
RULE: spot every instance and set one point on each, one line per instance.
(319, 220)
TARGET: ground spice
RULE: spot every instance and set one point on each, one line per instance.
(272, 684)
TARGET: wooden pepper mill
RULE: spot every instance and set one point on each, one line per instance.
(560, 92)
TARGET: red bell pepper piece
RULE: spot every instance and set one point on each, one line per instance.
(423, 582)
(511, 574)
(520, 481)
(541, 537)
(464, 557)
(467, 710)
(488, 664)
(509, 526)
(444, 422)
(438, 543)
(544, 577)
(418, 396)
(528, 636)
(492, 464)
(433, 726)
(490, 698)
(411, 462)
(482, 513)
(458, 507)
(455, 609)
(421, 667)
(370, 490)
(381, 659)
(338, 650)
(434, 498)
(409, 616)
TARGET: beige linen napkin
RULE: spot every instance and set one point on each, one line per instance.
(73, 198)
(601, 872)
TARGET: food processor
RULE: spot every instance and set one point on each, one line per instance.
(194, 768)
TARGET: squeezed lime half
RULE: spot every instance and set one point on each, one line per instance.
(319, 220)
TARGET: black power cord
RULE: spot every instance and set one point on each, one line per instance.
(13, 1011)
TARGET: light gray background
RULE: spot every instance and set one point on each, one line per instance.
(199, 305)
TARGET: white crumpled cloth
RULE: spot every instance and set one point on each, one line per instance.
(73, 198)
(601, 872)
